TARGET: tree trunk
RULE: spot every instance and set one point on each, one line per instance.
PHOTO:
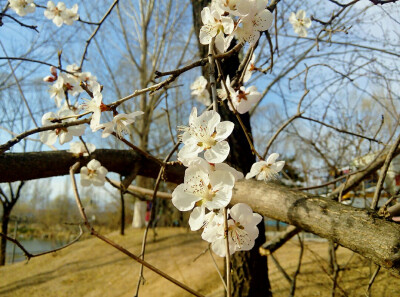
(249, 269)
(4, 229)
(122, 231)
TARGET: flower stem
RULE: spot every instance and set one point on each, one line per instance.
(228, 255)
(213, 84)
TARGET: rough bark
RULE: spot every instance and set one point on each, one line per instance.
(122, 229)
(360, 230)
(4, 229)
(27, 166)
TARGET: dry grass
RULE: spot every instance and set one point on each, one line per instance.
(92, 268)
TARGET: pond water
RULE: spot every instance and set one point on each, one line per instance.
(33, 246)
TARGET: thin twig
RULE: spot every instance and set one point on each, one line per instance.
(281, 269)
(296, 273)
(341, 130)
(95, 32)
(137, 149)
(19, 86)
(371, 281)
(281, 128)
(21, 136)
(216, 267)
(275, 243)
(152, 215)
(200, 62)
(382, 176)
(33, 27)
(211, 64)
(246, 133)
(228, 255)
(28, 255)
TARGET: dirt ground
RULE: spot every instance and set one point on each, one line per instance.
(93, 268)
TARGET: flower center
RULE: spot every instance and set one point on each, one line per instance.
(242, 95)
(238, 234)
(92, 173)
(204, 140)
(301, 22)
(59, 130)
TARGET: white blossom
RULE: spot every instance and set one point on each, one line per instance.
(64, 83)
(197, 161)
(242, 231)
(222, 92)
(119, 124)
(300, 22)
(215, 25)
(249, 69)
(243, 99)
(199, 89)
(255, 20)
(57, 91)
(60, 14)
(22, 7)
(93, 174)
(203, 189)
(85, 77)
(229, 6)
(71, 15)
(96, 106)
(64, 134)
(206, 133)
(79, 149)
(89, 79)
(266, 170)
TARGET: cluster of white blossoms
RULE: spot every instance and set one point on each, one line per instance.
(64, 115)
(208, 184)
(22, 7)
(243, 19)
(72, 83)
(68, 83)
(60, 14)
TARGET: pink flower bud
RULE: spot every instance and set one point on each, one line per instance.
(53, 71)
(49, 78)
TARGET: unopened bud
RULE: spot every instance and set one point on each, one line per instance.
(53, 71)
(49, 78)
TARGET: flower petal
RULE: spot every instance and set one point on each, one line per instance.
(196, 219)
(182, 200)
(272, 158)
(218, 153)
(224, 129)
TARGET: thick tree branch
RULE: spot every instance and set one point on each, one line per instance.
(360, 230)
(27, 166)
(357, 229)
